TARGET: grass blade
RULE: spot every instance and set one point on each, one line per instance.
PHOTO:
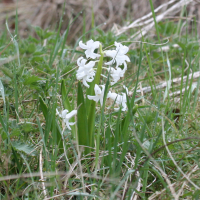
(82, 123)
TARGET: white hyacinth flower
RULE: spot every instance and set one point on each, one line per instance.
(119, 99)
(125, 89)
(99, 94)
(85, 72)
(90, 47)
(118, 55)
(116, 74)
(66, 116)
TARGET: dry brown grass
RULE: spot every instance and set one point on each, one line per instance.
(46, 13)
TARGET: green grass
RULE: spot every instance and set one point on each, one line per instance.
(137, 152)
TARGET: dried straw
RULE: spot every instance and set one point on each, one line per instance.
(47, 13)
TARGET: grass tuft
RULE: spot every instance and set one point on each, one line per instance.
(150, 151)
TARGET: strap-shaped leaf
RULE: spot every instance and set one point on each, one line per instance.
(92, 108)
(67, 105)
(65, 99)
(43, 107)
(53, 126)
(82, 122)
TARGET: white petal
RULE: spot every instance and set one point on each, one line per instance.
(81, 62)
(64, 113)
(118, 55)
(112, 95)
(124, 107)
(90, 64)
(97, 89)
(67, 116)
(116, 109)
(93, 44)
(126, 58)
(99, 94)
(111, 53)
(83, 46)
(110, 62)
(71, 114)
(89, 43)
(67, 124)
(85, 71)
(85, 83)
(102, 94)
(122, 49)
(90, 47)
(90, 54)
(57, 112)
(125, 89)
(80, 75)
(94, 98)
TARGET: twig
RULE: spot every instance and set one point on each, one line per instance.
(172, 158)
(184, 183)
(163, 190)
(42, 176)
(139, 21)
(150, 22)
(164, 84)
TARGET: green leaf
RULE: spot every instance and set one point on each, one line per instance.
(92, 107)
(32, 79)
(39, 51)
(39, 31)
(7, 72)
(43, 107)
(37, 59)
(27, 128)
(67, 105)
(48, 34)
(82, 122)
(26, 148)
(3, 134)
(134, 110)
(15, 132)
(65, 99)
(31, 48)
(149, 117)
(50, 122)
(2, 91)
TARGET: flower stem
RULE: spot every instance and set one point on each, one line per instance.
(91, 116)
